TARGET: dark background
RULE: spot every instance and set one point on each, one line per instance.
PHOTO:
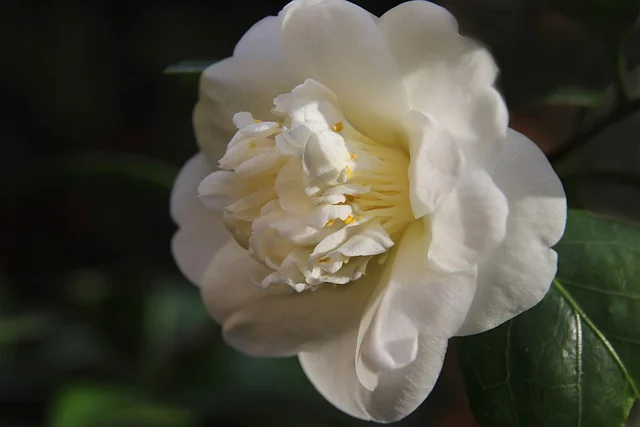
(97, 326)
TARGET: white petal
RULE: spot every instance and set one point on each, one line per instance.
(295, 228)
(520, 271)
(194, 245)
(331, 370)
(436, 163)
(230, 86)
(264, 324)
(185, 204)
(469, 224)
(338, 44)
(218, 190)
(371, 239)
(325, 156)
(335, 239)
(413, 299)
(445, 75)
(248, 207)
(261, 40)
(289, 186)
(201, 231)
(261, 164)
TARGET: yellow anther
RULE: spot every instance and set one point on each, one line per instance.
(349, 171)
(330, 223)
(337, 127)
(349, 219)
(354, 156)
(325, 260)
(257, 121)
(252, 145)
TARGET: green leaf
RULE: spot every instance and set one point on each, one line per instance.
(611, 20)
(188, 67)
(574, 359)
(575, 97)
(98, 405)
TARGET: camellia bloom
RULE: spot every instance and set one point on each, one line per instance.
(359, 199)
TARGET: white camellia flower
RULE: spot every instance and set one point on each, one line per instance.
(359, 199)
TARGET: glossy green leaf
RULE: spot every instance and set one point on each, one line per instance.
(574, 359)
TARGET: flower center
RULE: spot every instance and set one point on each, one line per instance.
(309, 196)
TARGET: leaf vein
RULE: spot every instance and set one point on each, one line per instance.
(625, 340)
(601, 291)
(508, 380)
(578, 310)
(579, 356)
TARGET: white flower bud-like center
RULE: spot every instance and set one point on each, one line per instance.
(308, 195)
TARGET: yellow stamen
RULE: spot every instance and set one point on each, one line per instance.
(354, 156)
(349, 219)
(349, 171)
(257, 121)
(252, 145)
(330, 223)
(337, 127)
(325, 260)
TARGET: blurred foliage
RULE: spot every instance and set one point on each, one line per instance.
(97, 326)
(610, 20)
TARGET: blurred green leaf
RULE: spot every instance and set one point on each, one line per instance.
(611, 20)
(92, 163)
(23, 327)
(573, 359)
(602, 177)
(575, 97)
(88, 287)
(103, 405)
(188, 67)
(172, 315)
(145, 169)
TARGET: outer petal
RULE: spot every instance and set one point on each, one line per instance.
(261, 40)
(232, 85)
(436, 163)
(413, 299)
(338, 44)
(201, 231)
(469, 224)
(331, 369)
(261, 323)
(446, 76)
(521, 270)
